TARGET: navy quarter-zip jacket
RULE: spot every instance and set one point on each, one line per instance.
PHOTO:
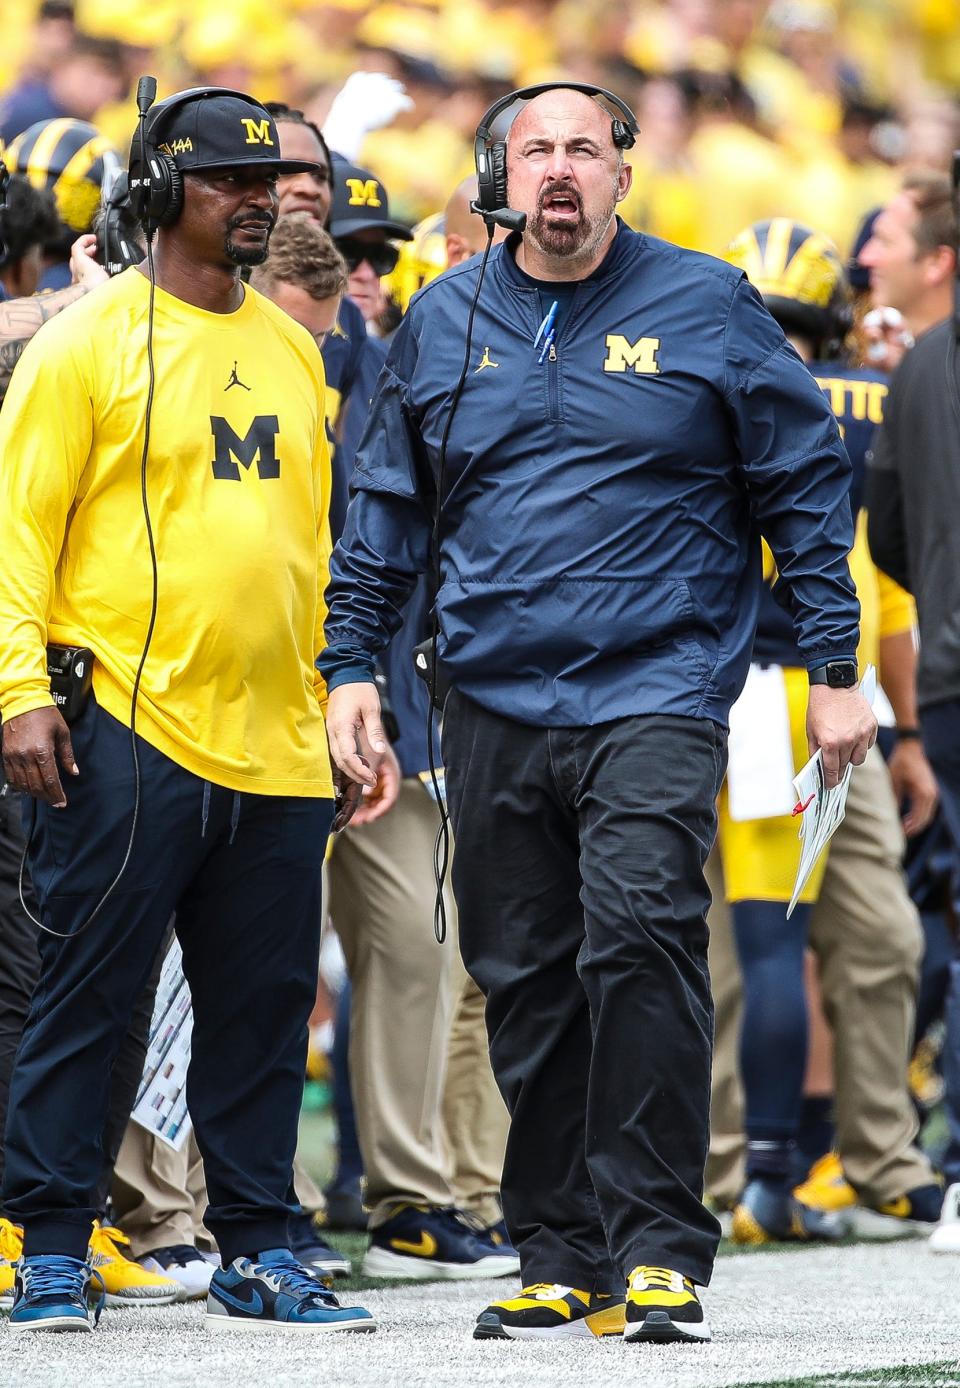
(600, 552)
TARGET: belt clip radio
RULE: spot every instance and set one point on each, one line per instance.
(71, 675)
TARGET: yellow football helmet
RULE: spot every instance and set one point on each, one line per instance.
(421, 260)
(800, 276)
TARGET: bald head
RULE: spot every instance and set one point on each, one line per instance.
(565, 172)
(465, 231)
(562, 108)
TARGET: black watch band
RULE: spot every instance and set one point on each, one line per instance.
(838, 674)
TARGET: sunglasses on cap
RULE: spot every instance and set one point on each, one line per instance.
(380, 256)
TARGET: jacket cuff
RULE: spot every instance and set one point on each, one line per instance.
(817, 662)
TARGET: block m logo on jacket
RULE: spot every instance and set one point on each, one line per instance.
(641, 355)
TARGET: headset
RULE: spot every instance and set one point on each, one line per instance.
(490, 157)
(490, 154)
(116, 249)
(156, 184)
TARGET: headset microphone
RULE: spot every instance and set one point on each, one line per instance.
(4, 180)
(502, 217)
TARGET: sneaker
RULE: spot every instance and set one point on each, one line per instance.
(765, 1215)
(11, 1246)
(345, 1209)
(825, 1186)
(51, 1294)
(912, 1215)
(125, 1282)
(663, 1308)
(311, 1250)
(183, 1264)
(946, 1237)
(548, 1311)
(497, 1235)
(429, 1244)
(273, 1292)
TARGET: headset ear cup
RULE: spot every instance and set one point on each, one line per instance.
(498, 173)
(173, 188)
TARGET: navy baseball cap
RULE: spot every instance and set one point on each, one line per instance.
(857, 273)
(360, 203)
(222, 132)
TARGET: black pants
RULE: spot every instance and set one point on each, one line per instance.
(582, 902)
(941, 741)
(242, 875)
(19, 972)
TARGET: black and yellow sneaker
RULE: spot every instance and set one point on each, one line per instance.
(548, 1311)
(663, 1308)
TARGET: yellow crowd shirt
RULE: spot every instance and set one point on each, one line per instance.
(238, 481)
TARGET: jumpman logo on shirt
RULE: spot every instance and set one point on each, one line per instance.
(235, 380)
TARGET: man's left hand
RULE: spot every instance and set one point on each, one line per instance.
(914, 784)
(841, 724)
(376, 802)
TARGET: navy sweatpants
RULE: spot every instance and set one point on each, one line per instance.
(242, 874)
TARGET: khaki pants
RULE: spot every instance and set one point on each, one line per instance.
(867, 937)
(159, 1195)
(411, 1002)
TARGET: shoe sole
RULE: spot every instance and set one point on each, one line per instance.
(875, 1227)
(380, 1262)
(658, 1329)
(118, 1301)
(490, 1327)
(342, 1267)
(366, 1326)
(62, 1323)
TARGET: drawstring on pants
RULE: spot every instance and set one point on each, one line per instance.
(234, 813)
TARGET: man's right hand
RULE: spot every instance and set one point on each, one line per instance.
(355, 731)
(33, 744)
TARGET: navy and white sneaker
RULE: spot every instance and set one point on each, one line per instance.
(273, 1292)
(429, 1244)
(50, 1293)
(183, 1264)
(311, 1251)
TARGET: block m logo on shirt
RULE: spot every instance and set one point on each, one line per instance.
(259, 442)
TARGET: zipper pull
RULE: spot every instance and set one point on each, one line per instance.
(553, 353)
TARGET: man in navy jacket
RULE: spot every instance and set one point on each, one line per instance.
(600, 571)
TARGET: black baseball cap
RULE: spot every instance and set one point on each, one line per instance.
(360, 203)
(222, 132)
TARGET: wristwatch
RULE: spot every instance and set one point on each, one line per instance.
(838, 674)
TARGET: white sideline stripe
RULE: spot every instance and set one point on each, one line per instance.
(774, 1316)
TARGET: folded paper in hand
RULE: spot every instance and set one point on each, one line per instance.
(820, 810)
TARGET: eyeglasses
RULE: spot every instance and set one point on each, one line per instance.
(380, 256)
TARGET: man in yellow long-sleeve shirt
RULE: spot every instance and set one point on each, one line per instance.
(235, 791)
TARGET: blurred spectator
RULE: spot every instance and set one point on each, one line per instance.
(78, 165)
(89, 75)
(27, 222)
(911, 255)
(361, 225)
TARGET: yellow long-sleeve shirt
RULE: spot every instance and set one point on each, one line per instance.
(238, 479)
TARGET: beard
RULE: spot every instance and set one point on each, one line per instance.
(558, 237)
(246, 255)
